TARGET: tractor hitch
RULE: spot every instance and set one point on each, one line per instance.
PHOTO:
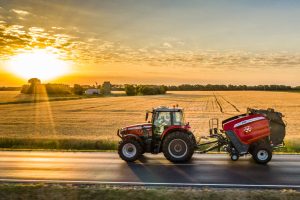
(219, 142)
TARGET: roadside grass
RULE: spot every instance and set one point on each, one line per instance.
(70, 191)
(291, 146)
(57, 144)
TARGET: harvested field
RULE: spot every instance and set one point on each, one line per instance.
(99, 118)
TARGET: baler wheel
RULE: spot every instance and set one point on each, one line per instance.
(130, 150)
(262, 154)
(178, 147)
(234, 157)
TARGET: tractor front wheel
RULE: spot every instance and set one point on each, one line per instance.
(130, 150)
(178, 147)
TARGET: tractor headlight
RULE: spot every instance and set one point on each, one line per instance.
(122, 130)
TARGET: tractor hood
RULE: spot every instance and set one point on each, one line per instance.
(137, 127)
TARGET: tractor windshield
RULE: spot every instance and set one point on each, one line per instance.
(162, 118)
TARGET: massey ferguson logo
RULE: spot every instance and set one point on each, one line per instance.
(247, 129)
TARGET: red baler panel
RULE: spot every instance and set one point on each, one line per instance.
(249, 128)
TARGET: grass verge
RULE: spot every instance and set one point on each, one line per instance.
(57, 144)
(291, 146)
(69, 191)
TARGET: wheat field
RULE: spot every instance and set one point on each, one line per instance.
(99, 118)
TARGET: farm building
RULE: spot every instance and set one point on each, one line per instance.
(92, 91)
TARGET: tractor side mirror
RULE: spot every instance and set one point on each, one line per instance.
(147, 114)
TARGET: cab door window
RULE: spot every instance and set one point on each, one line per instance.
(178, 118)
(161, 121)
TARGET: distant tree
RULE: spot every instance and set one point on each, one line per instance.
(130, 90)
(34, 86)
(116, 87)
(106, 88)
(150, 90)
(78, 90)
(24, 89)
(57, 89)
(34, 81)
(297, 88)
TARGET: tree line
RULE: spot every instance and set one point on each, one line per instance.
(210, 87)
(35, 86)
(10, 88)
(132, 90)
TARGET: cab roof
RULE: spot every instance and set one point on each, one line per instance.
(167, 109)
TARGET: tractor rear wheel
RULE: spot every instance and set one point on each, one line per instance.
(178, 147)
(262, 154)
(130, 150)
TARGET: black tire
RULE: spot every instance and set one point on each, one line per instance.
(130, 150)
(234, 157)
(184, 144)
(262, 154)
(192, 136)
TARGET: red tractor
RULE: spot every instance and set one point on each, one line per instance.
(256, 132)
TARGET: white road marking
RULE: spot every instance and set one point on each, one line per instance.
(153, 184)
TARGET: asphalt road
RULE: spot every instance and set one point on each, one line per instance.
(204, 170)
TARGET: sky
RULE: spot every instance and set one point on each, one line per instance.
(156, 42)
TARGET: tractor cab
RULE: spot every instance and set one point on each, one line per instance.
(164, 118)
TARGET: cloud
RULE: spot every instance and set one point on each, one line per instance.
(167, 45)
(101, 51)
(88, 47)
(57, 28)
(15, 38)
(20, 12)
(3, 13)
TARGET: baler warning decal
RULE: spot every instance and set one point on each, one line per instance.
(248, 121)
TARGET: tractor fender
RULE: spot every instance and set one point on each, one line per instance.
(175, 128)
(181, 129)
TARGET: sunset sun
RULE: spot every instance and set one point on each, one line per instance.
(40, 63)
